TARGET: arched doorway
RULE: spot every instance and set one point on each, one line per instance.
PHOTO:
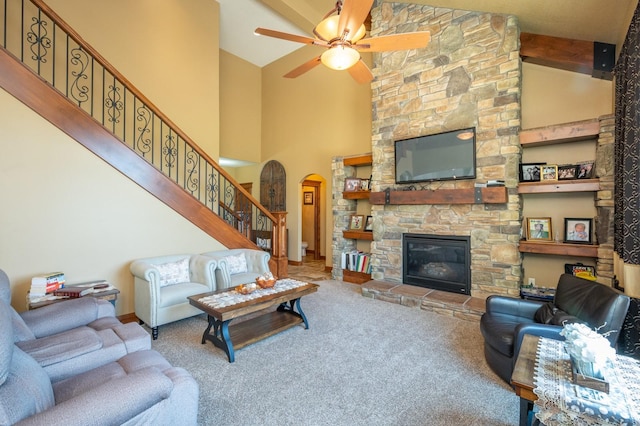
(312, 216)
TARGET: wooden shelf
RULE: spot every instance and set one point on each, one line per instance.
(560, 133)
(356, 195)
(358, 160)
(578, 185)
(358, 235)
(492, 195)
(355, 277)
(559, 249)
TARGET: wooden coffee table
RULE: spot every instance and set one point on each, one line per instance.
(522, 376)
(229, 338)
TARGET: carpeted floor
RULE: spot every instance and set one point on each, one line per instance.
(362, 362)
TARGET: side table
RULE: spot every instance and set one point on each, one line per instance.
(110, 295)
(522, 376)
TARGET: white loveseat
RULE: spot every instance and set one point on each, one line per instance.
(239, 266)
(162, 285)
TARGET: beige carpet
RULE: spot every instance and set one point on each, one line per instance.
(361, 362)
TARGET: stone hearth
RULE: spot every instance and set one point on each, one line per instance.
(442, 302)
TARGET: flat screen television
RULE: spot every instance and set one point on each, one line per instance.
(443, 156)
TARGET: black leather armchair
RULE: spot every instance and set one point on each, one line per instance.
(507, 319)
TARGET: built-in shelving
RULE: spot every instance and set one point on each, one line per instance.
(559, 249)
(551, 135)
(356, 195)
(579, 185)
(358, 235)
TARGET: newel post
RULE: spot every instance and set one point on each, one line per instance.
(279, 248)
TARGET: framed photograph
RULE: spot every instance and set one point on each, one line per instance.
(530, 172)
(549, 172)
(539, 228)
(578, 230)
(368, 224)
(585, 170)
(356, 223)
(567, 172)
(351, 184)
(364, 184)
(308, 197)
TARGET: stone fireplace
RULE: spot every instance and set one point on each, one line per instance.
(439, 262)
(468, 76)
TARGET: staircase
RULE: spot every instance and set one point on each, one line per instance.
(46, 65)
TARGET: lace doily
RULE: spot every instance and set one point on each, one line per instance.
(561, 403)
(231, 297)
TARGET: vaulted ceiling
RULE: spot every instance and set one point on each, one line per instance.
(587, 20)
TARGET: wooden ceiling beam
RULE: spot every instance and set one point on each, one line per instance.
(556, 52)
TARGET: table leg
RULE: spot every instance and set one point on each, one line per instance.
(291, 308)
(525, 407)
(220, 336)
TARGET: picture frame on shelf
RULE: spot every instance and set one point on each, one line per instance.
(530, 172)
(585, 170)
(364, 184)
(308, 197)
(351, 184)
(539, 229)
(368, 224)
(567, 172)
(356, 222)
(549, 172)
(578, 230)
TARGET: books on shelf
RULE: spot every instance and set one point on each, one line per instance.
(82, 289)
(356, 261)
(46, 283)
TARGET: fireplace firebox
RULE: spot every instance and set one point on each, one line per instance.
(439, 262)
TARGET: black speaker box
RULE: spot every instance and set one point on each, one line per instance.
(604, 58)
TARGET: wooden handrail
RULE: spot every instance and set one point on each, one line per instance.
(134, 90)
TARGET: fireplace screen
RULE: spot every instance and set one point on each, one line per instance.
(437, 261)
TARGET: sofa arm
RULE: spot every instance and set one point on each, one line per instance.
(66, 315)
(520, 308)
(535, 329)
(113, 402)
(203, 270)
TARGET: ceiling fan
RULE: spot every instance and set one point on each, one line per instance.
(343, 35)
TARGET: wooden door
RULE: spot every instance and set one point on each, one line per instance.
(273, 187)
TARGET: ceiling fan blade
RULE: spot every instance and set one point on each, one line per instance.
(289, 37)
(361, 72)
(352, 16)
(415, 40)
(303, 68)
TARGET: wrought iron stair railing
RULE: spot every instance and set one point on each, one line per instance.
(37, 37)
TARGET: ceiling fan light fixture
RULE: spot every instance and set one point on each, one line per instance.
(328, 30)
(340, 57)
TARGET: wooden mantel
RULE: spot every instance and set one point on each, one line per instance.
(492, 195)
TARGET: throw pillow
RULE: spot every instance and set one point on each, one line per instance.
(545, 313)
(174, 272)
(237, 264)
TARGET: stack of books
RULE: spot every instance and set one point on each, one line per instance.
(82, 289)
(42, 285)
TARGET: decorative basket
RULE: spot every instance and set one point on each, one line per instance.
(246, 288)
(265, 283)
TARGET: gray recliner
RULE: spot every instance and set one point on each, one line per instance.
(73, 336)
(140, 388)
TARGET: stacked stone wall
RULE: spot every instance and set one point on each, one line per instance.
(468, 76)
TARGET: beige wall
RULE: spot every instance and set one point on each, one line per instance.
(551, 96)
(63, 208)
(241, 116)
(168, 50)
(308, 120)
(66, 210)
